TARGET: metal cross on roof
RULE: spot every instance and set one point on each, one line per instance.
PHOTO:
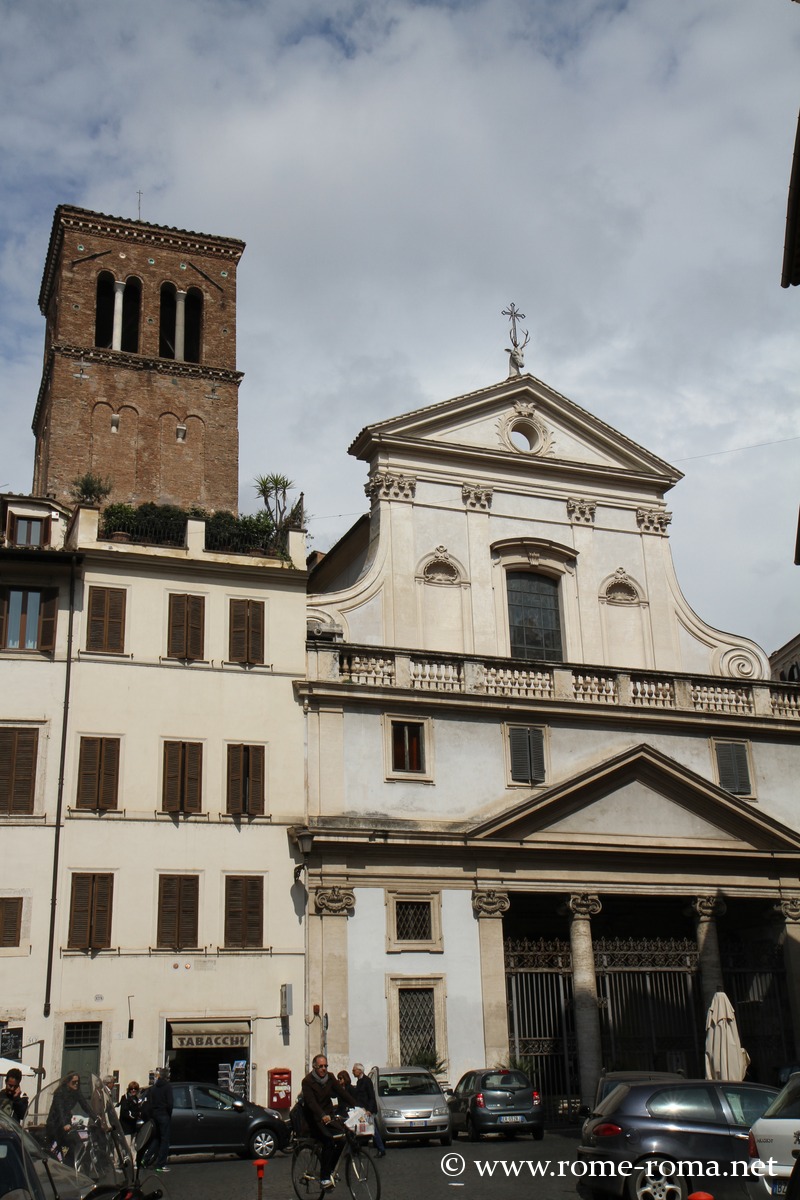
(514, 315)
(516, 357)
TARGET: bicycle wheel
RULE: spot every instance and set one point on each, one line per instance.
(307, 1171)
(362, 1176)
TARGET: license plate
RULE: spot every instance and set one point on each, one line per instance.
(511, 1120)
(780, 1187)
(417, 1124)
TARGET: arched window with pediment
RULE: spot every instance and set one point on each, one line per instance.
(534, 616)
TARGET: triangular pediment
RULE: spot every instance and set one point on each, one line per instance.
(497, 420)
(638, 799)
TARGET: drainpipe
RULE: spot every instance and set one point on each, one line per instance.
(60, 799)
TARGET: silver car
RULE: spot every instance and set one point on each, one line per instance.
(411, 1104)
(774, 1139)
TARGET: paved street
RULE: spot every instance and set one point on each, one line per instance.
(407, 1171)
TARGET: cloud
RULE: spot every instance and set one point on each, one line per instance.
(400, 171)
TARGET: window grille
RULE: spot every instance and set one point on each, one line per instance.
(413, 921)
(416, 1019)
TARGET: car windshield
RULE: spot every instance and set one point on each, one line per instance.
(401, 1084)
(505, 1079)
(787, 1102)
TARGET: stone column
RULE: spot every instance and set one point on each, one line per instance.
(707, 909)
(334, 905)
(116, 333)
(582, 908)
(489, 908)
(789, 908)
(180, 326)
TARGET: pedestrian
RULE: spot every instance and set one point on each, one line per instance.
(364, 1093)
(159, 1101)
(13, 1101)
(318, 1090)
(342, 1107)
(130, 1114)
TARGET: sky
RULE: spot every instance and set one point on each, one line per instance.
(401, 170)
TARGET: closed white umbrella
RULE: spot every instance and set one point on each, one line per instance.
(725, 1056)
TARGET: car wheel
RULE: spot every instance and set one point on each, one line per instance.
(649, 1181)
(263, 1143)
(538, 1134)
(472, 1133)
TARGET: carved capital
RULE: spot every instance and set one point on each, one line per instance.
(709, 908)
(581, 512)
(789, 908)
(382, 485)
(334, 902)
(584, 905)
(653, 520)
(475, 497)
(490, 903)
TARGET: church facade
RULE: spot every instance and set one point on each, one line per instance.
(550, 810)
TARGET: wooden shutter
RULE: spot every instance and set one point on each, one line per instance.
(196, 611)
(238, 639)
(176, 636)
(3, 616)
(244, 911)
(18, 752)
(10, 921)
(106, 620)
(193, 777)
(102, 893)
(109, 774)
(527, 754)
(255, 797)
(235, 791)
(189, 892)
(255, 631)
(80, 910)
(88, 773)
(48, 613)
(733, 767)
(171, 798)
(168, 896)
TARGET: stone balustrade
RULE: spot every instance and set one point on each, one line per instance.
(433, 673)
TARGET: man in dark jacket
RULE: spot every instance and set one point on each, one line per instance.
(364, 1093)
(13, 1101)
(159, 1109)
(318, 1089)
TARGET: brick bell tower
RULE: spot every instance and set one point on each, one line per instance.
(139, 383)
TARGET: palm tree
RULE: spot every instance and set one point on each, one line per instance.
(273, 491)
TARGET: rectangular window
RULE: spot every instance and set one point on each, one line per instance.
(178, 908)
(10, 921)
(18, 750)
(534, 617)
(246, 640)
(244, 911)
(183, 777)
(186, 627)
(413, 921)
(105, 626)
(245, 793)
(28, 531)
(98, 773)
(28, 619)
(408, 746)
(733, 768)
(416, 1008)
(526, 753)
(90, 912)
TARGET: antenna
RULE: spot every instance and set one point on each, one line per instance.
(139, 197)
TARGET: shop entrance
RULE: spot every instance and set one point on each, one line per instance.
(216, 1052)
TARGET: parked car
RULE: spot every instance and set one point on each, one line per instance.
(609, 1080)
(411, 1104)
(208, 1118)
(492, 1100)
(775, 1136)
(656, 1126)
(55, 1177)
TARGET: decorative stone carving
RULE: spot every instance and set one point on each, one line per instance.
(524, 421)
(789, 908)
(323, 629)
(385, 486)
(476, 497)
(439, 568)
(740, 663)
(581, 512)
(653, 520)
(584, 905)
(334, 902)
(709, 907)
(490, 903)
(621, 589)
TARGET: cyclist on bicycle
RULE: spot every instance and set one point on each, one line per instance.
(318, 1090)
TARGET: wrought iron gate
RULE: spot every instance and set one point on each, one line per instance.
(755, 981)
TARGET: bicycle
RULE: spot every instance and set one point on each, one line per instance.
(360, 1172)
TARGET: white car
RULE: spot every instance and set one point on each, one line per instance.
(775, 1144)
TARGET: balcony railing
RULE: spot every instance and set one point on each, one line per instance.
(365, 666)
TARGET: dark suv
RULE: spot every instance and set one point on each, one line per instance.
(494, 1100)
(643, 1138)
